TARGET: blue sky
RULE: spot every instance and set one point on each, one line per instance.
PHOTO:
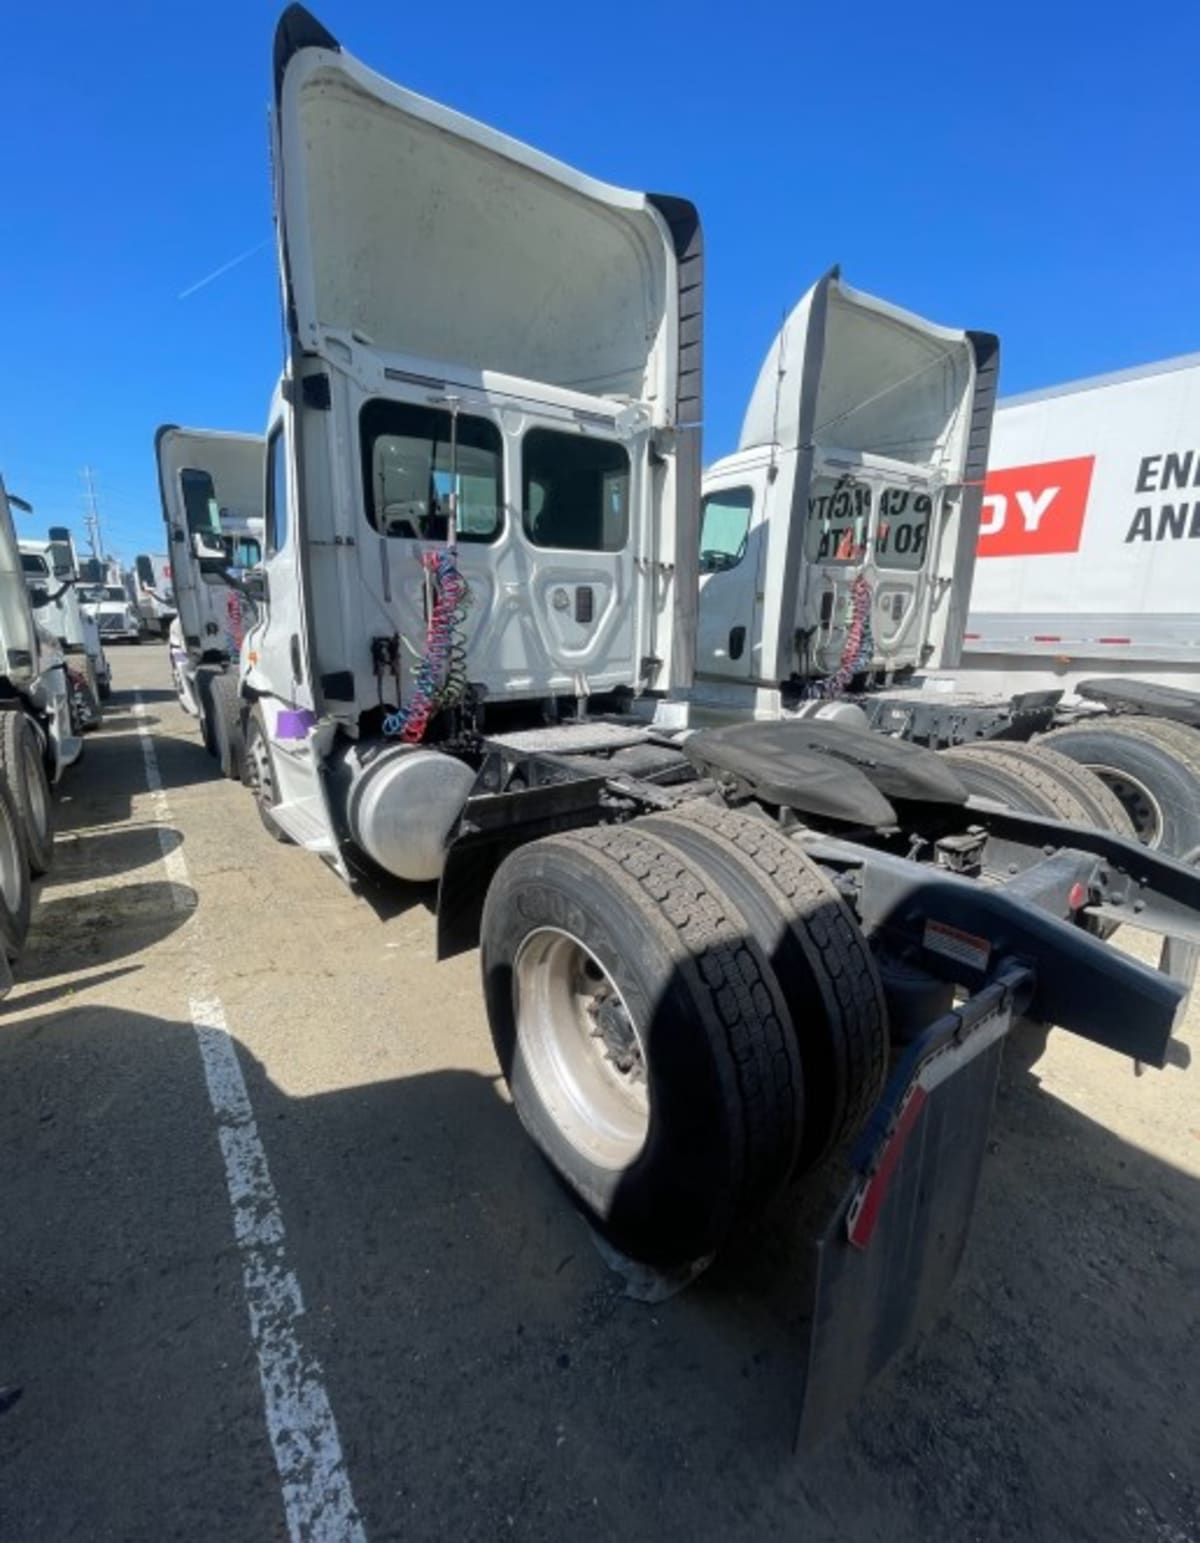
(1026, 168)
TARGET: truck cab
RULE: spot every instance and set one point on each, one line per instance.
(837, 542)
(53, 574)
(33, 671)
(155, 592)
(211, 485)
(474, 466)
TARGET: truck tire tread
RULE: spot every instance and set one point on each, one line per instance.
(17, 764)
(1032, 788)
(1104, 809)
(697, 964)
(843, 1053)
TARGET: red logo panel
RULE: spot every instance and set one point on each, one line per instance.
(1033, 510)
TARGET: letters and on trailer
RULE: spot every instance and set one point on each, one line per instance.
(471, 662)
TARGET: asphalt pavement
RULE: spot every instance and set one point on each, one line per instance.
(277, 1257)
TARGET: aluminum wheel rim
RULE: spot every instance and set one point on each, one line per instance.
(35, 783)
(579, 1043)
(12, 862)
(1138, 802)
(260, 771)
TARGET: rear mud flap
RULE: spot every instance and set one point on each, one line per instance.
(891, 1251)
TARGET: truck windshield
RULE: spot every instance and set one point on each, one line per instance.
(32, 564)
(575, 491)
(724, 527)
(407, 472)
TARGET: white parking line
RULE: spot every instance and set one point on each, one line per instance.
(317, 1499)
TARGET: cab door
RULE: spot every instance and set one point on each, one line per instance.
(904, 533)
(733, 533)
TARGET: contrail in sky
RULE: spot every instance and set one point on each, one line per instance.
(224, 268)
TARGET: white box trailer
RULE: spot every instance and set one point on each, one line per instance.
(1089, 544)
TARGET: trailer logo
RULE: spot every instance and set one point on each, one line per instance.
(1034, 510)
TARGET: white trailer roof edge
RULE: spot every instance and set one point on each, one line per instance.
(1099, 382)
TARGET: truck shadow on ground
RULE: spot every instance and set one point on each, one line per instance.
(488, 1376)
(81, 855)
(83, 931)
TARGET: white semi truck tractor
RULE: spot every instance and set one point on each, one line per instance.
(843, 540)
(713, 958)
(154, 592)
(212, 491)
(38, 740)
(52, 571)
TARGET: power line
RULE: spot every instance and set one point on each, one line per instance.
(92, 519)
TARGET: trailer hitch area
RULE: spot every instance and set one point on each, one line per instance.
(958, 929)
(893, 1245)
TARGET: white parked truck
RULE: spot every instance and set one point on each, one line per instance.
(710, 959)
(52, 572)
(212, 495)
(113, 611)
(38, 740)
(839, 551)
(154, 592)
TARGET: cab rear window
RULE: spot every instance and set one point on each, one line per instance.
(574, 491)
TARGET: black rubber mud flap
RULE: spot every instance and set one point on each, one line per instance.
(893, 1247)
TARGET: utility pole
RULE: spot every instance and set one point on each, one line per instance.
(93, 519)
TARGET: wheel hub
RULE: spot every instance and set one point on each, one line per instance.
(580, 1046)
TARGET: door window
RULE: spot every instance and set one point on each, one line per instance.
(724, 528)
(276, 517)
(409, 472)
(839, 516)
(574, 491)
(199, 500)
(903, 529)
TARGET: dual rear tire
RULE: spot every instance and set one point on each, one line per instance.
(686, 1014)
(1036, 779)
(1151, 765)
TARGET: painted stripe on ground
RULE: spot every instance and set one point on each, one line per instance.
(317, 1499)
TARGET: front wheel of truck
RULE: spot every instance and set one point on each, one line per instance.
(644, 1037)
(16, 886)
(258, 774)
(23, 767)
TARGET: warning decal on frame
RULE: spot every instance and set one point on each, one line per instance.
(952, 943)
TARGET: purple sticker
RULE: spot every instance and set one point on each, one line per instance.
(294, 723)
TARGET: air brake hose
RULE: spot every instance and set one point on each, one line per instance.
(858, 650)
(441, 676)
